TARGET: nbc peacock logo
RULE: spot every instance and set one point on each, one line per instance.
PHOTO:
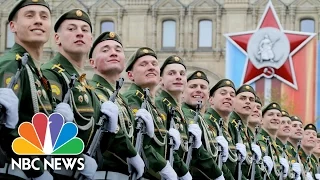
(47, 136)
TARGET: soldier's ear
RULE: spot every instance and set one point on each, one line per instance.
(130, 75)
(12, 25)
(161, 83)
(91, 61)
(211, 100)
(57, 39)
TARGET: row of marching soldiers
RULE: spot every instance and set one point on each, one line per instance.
(165, 126)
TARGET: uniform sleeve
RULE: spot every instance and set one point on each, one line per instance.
(7, 70)
(202, 160)
(153, 159)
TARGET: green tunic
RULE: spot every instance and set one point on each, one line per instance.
(33, 92)
(212, 119)
(291, 152)
(247, 137)
(164, 101)
(115, 157)
(309, 163)
(84, 102)
(203, 165)
(273, 152)
(154, 150)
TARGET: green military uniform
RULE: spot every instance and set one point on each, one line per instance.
(32, 90)
(309, 161)
(203, 165)
(282, 147)
(84, 102)
(115, 157)
(154, 149)
(164, 101)
(212, 119)
(247, 136)
(34, 94)
(273, 150)
(291, 151)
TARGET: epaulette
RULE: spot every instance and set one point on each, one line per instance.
(140, 94)
(166, 101)
(212, 118)
(58, 68)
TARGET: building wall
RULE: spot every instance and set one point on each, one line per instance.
(140, 23)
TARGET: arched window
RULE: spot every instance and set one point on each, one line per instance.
(169, 34)
(107, 26)
(205, 33)
(9, 37)
(307, 25)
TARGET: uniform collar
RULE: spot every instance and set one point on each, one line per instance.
(213, 112)
(100, 80)
(18, 49)
(66, 64)
(166, 95)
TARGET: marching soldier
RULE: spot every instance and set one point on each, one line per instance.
(203, 165)
(221, 101)
(308, 142)
(254, 120)
(316, 155)
(243, 107)
(144, 71)
(283, 134)
(30, 21)
(267, 139)
(293, 143)
(108, 60)
(173, 81)
(73, 36)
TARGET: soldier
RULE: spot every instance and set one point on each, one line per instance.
(308, 142)
(283, 134)
(271, 115)
(108, 60)
(30, 21)
(203, 165)
(221, 101)
(144, 71)
(243, 106)
(173, 81)
(296, 134)
(254, 120)
(316, 154)
(73, 36)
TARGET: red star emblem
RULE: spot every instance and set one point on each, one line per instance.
(285, 72)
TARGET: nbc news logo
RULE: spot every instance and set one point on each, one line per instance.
(48, 136)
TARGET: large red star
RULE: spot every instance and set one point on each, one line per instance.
(286, 72)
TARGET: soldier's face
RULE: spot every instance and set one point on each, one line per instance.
(145, 72)
(74, 37)
(223, 99)
(108, 57)
(316, 149)
(256, 115)
(271, 119)
(309, 138)
(296, 130)
(285, 127)
(174, 79)
(32, 25)
(196, 90)
(244, 103)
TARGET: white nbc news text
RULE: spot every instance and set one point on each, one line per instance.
(53, 163)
